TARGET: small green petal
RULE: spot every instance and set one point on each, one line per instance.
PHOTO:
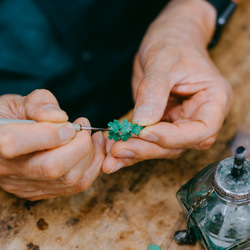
(153, 247)
(123, 130)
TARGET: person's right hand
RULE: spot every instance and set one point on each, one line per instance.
(46, 159)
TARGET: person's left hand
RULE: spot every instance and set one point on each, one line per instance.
(180, 96)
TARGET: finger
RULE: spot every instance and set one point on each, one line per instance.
(31, 189)
(34, 190)
(112, 164)
(151, 98)
(36, 195)
(54, 163)
(41, 105)
(219, 96)
(28, 189)
(140, 149)
(127, 153)
(109, 144)
(185, 134)
(80, 177)
(195, 125)
(20, 139)
(94, 169)
(15, 186)
(137, 75)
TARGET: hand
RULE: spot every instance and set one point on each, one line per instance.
(180, 96)
(45, 159)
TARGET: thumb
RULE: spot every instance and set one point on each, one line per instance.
(41, 105)
(151, 98)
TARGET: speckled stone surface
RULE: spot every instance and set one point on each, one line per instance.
(137, 206)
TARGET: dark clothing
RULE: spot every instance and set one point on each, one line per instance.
(80, 50)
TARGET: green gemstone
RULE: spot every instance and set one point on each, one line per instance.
(123, 130)
(153, 247)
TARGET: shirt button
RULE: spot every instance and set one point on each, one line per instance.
(86, 55)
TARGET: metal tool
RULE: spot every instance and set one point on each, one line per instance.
(78, 127)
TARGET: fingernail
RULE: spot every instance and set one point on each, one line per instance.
(125, 154)
(109, 145)
(101, 139)
(67, 132)
(149, 136)
(142, 115)
(51, 107)
(116, 167)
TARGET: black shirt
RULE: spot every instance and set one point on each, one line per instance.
(80, 50)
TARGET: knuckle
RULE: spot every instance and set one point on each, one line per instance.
(33, 101)
(174, 154)
(70, 180)
(83, 185)
(8, 145)
(206, 144)
(37, 94)
(53, 169)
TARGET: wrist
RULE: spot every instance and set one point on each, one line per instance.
(224, 10)
(193, 20)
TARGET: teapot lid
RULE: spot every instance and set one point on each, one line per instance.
(232, 178)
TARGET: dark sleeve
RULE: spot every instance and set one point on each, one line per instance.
(82, 51)
(29, 51)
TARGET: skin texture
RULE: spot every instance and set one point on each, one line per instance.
(46, 159)
(180, 96)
